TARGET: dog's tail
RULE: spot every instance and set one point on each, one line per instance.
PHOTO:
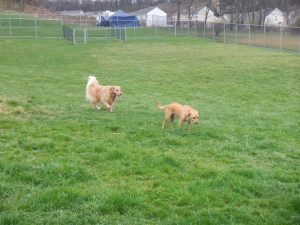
(92, 80)
(160, 107)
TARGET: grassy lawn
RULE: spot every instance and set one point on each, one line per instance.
(63, 162)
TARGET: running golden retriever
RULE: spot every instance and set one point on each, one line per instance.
(183, 112)
(105, 94)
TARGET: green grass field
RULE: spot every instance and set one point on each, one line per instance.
(63, 162)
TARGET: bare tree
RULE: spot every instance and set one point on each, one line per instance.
(178, 12)
(208, 5)
(21, 5)
(288, 6)
(250, 8)
(190, 9)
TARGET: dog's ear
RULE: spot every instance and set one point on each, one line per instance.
(112, 89)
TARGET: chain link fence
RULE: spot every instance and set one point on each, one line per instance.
(81, 35)
(274, 37)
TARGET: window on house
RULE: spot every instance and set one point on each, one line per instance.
(275, 18)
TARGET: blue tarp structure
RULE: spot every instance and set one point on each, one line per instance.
(120, 19)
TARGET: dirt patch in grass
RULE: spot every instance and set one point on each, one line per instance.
(13, 108)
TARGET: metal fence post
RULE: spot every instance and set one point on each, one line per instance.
(249, 35)
(106, 35)
(35, 28)
(155, 26)
(224, 32)
(213, 31)
(264, 35)
(280, 37)
(125, 35)
(236, 28)
(73, 37)
(9, 28)
(175, 25)
(134, 31)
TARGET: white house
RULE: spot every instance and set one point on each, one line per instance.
(106, 13)
(153, 16)
(96, 13)
(225, 18)
(275, 18)
(73, 13)
(201, 14)
(242, 18)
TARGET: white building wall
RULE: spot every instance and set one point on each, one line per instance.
(275, 18)
(210, 15)
(156, 17)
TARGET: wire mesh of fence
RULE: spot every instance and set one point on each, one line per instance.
(274, 37)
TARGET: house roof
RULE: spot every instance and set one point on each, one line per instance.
(97, 12)
(169, 8)
(72, 12)
(201, 8)
(143, 11)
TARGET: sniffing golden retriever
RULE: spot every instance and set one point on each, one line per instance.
(183, 112)
(98, 93)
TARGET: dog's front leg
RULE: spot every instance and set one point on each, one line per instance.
(109, 107)
(189, 125)
(180, 122)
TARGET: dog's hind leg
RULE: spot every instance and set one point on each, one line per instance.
(172, 120)
(165, 120)
(95, 105)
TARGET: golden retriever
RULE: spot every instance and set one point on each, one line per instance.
(183, 112)
(105, 94)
